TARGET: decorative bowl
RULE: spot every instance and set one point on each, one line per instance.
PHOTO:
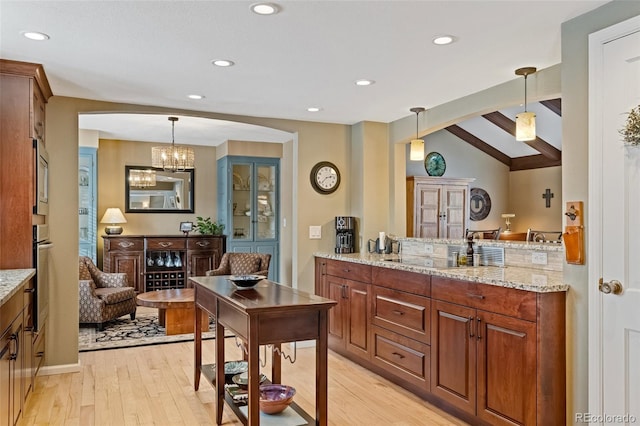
(246, 280)
(231, 368)
(275, 398)
(242, 379)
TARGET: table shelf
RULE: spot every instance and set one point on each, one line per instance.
(209, 372)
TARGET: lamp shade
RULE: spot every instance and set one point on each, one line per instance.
(113, 216)
(417, 150)
(526, 126)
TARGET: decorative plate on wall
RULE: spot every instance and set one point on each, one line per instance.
(480, 204)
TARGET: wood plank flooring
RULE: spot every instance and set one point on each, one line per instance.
(153, 385)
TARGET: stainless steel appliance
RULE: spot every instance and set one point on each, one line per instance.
(345, 234)
(42, 179)
(41, 263)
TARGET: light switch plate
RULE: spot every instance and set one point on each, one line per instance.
(315, 232)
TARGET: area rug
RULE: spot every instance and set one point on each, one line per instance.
(125, 332)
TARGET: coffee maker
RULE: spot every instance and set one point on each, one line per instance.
(345, 234)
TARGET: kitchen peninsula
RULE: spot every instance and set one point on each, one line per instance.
(485, 343)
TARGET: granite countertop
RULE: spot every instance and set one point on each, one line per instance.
(530, 279)
(11, 280)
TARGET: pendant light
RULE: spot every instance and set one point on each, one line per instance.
(417, 145)
(173, 158)
(525, 121)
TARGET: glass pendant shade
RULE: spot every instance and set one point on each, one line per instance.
(417, 150)
(525, 126)
(142, 178)
(172, 158)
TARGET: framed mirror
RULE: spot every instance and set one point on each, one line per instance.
(152, 190)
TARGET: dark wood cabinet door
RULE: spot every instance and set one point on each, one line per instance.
(131, 264)
(337, 314)
(200, 262)
(358, 299)
(453, 354)
(506, 369)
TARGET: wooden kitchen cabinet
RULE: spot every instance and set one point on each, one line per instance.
(12, 360)
(125, 254)
(24, 91)
(349, 320)
(204, 254)
(437, 207)
(489, 355)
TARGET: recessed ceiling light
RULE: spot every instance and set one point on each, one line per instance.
(314, 109)
(443, 39)
(265, 8)
(34, 35)
(195, 96)
(364, 82)
(222, 63)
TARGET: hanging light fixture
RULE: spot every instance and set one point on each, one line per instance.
(417, 145)
(173, 158)
(142, 178)
(525, 121)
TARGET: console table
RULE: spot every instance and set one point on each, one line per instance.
(267, 314)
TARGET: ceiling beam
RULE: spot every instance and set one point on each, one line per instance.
(509, 126)
(554, 105)
(479, 144)
(533, 162)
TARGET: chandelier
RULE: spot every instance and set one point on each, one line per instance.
(142, 178)
(172, 158)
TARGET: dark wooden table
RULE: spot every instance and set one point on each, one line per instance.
(267, 314)
(175, 309)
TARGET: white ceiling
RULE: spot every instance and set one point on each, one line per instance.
(309, 54)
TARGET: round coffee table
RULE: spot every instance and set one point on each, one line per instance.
(176, 309)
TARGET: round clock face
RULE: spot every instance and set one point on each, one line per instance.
(434, 164)
(325, 177)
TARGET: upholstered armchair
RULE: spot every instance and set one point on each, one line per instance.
(243, 263)
(103, 296)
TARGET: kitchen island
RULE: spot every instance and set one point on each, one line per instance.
(484, 343)
(267, 314)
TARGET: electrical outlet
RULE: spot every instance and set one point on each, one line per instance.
(539, 258)
(538, 279)
(428, 249)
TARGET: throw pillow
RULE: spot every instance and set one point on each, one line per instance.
(241, 265)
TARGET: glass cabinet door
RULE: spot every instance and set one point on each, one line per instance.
(266, 203)
(87, 220)
(242, 201)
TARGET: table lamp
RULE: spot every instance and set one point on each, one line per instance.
(507, 217)
(113, 216)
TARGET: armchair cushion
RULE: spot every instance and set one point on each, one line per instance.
(240, 265)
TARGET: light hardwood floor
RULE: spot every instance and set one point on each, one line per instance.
(153, 385)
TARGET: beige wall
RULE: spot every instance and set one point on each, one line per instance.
(525, 199)
(113, 155)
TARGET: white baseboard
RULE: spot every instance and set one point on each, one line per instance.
(49, 370)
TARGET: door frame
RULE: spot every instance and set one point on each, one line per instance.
(597, 40)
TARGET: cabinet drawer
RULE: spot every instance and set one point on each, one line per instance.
(348, 270)
(404, 313)
(11, 309)
(411, 282)
(204, 243)
(403, 357)
(166, 243)
(506, 301)
(123, 244)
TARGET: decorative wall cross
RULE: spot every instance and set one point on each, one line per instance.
(548, 195)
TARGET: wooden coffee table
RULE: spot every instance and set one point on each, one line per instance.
(176, 309)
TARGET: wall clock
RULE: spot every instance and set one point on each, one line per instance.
(325, 177)
(434, 164)
(479, 204)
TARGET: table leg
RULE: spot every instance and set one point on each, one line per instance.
(162, 316)
(276, 364)
(321, 370)
(219, 385)
(253, 352)
(197, 347)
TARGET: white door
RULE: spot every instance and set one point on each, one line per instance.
(614, 219)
